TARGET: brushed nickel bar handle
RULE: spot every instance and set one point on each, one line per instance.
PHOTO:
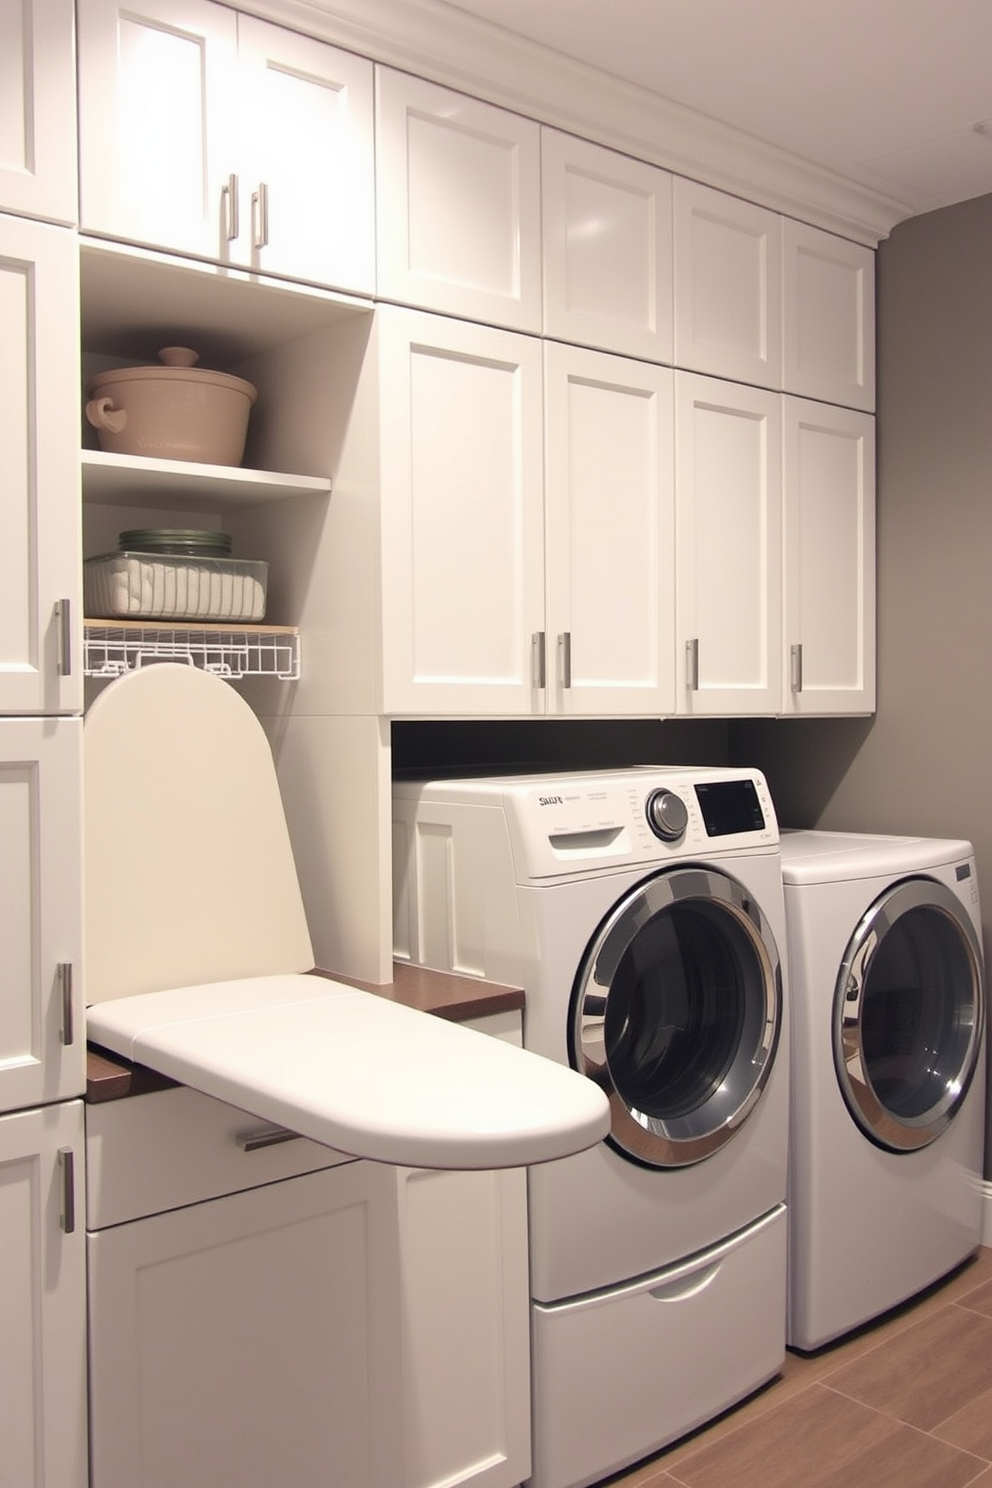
(692, 664)
(64, 973)
(67, 1176)
(565, 658)
(229, 198)
(538, 660)
(265, 1136)
(260, 216)
(796, 667)
(63, 631)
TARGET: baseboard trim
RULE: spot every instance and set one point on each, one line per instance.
(987, 1213)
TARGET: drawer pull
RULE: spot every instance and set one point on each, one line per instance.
(538, 660)
(63, 636)
(68, 1032)
(565, 659)
(265, 1136)
(67, 1173)
(692, 664)
(796, 667)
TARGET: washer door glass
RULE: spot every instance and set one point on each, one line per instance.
(676, 1013)
(908, 1014)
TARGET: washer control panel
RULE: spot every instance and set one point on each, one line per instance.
(557, 825)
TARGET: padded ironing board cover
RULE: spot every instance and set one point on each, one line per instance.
(197, 945)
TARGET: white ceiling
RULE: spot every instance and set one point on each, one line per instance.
(893, 94)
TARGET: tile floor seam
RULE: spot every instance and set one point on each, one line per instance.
(931, 1432)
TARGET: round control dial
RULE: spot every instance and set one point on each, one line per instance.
(666, 814)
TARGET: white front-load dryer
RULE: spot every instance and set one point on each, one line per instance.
(642, 912)
(888, 1107)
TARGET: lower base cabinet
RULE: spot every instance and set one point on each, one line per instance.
(359, 1325)
(42, 1299)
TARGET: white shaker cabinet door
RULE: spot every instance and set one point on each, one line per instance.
(40, 524)
(38, 109)
(610, 534)
(465, 1328)
(43, 1299)
(458, 202)
(607, 234)
(251, 1340)
(728, 462)
(829, 317)
(306, 159)
(462, 528)
(829, 559)
(42, 1038)
(158, 106)
(728, 287)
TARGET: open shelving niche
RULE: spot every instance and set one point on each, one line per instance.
(133, 302)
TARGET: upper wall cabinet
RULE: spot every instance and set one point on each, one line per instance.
(728, 463)
(40, 632)
(459, 204)
(37, 109)
(609, 472)
(214, 134)
(829, 477)
(607, 249)
(462, 486)
(829, 317)
(728, 299)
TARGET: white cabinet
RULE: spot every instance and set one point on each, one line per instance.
(264, 1310)
(610, 608)
(458, 204)
(247, 1340)
(728, 286)
(729, 546)
(829, 317)
(43, 1299)
(217, 135)
(462, 516)
(38, 110)
(41, 1004)
(40, 668)
(829, 479)
(607, 238)
(511, 586)
(465, 1344)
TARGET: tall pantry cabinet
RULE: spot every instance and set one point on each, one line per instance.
(42, 1283)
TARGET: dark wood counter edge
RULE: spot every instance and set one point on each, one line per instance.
(458, 998)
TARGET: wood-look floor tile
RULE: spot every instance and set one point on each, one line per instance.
(822, 1440)
(926, 1373)
(971, 1427)
(978, 1299)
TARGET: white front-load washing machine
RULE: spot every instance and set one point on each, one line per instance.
(642, 912)
(888, 1074)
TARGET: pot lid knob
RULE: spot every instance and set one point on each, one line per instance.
(178, 356)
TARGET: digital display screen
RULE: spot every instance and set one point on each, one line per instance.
(730, 806)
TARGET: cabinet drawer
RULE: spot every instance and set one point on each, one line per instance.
(175, 1147)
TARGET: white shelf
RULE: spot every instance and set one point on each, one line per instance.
(112, 647)
(135, 480)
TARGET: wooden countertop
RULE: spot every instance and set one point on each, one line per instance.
(456, 998)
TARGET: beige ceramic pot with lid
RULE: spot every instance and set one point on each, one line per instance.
(175, 411)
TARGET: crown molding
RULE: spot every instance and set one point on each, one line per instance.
(460, 51)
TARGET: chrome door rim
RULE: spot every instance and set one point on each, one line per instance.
(899, 1133)
(647, 1139)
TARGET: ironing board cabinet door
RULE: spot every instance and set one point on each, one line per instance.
(254, 1333)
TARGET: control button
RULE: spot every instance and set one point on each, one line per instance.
(666, 814)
